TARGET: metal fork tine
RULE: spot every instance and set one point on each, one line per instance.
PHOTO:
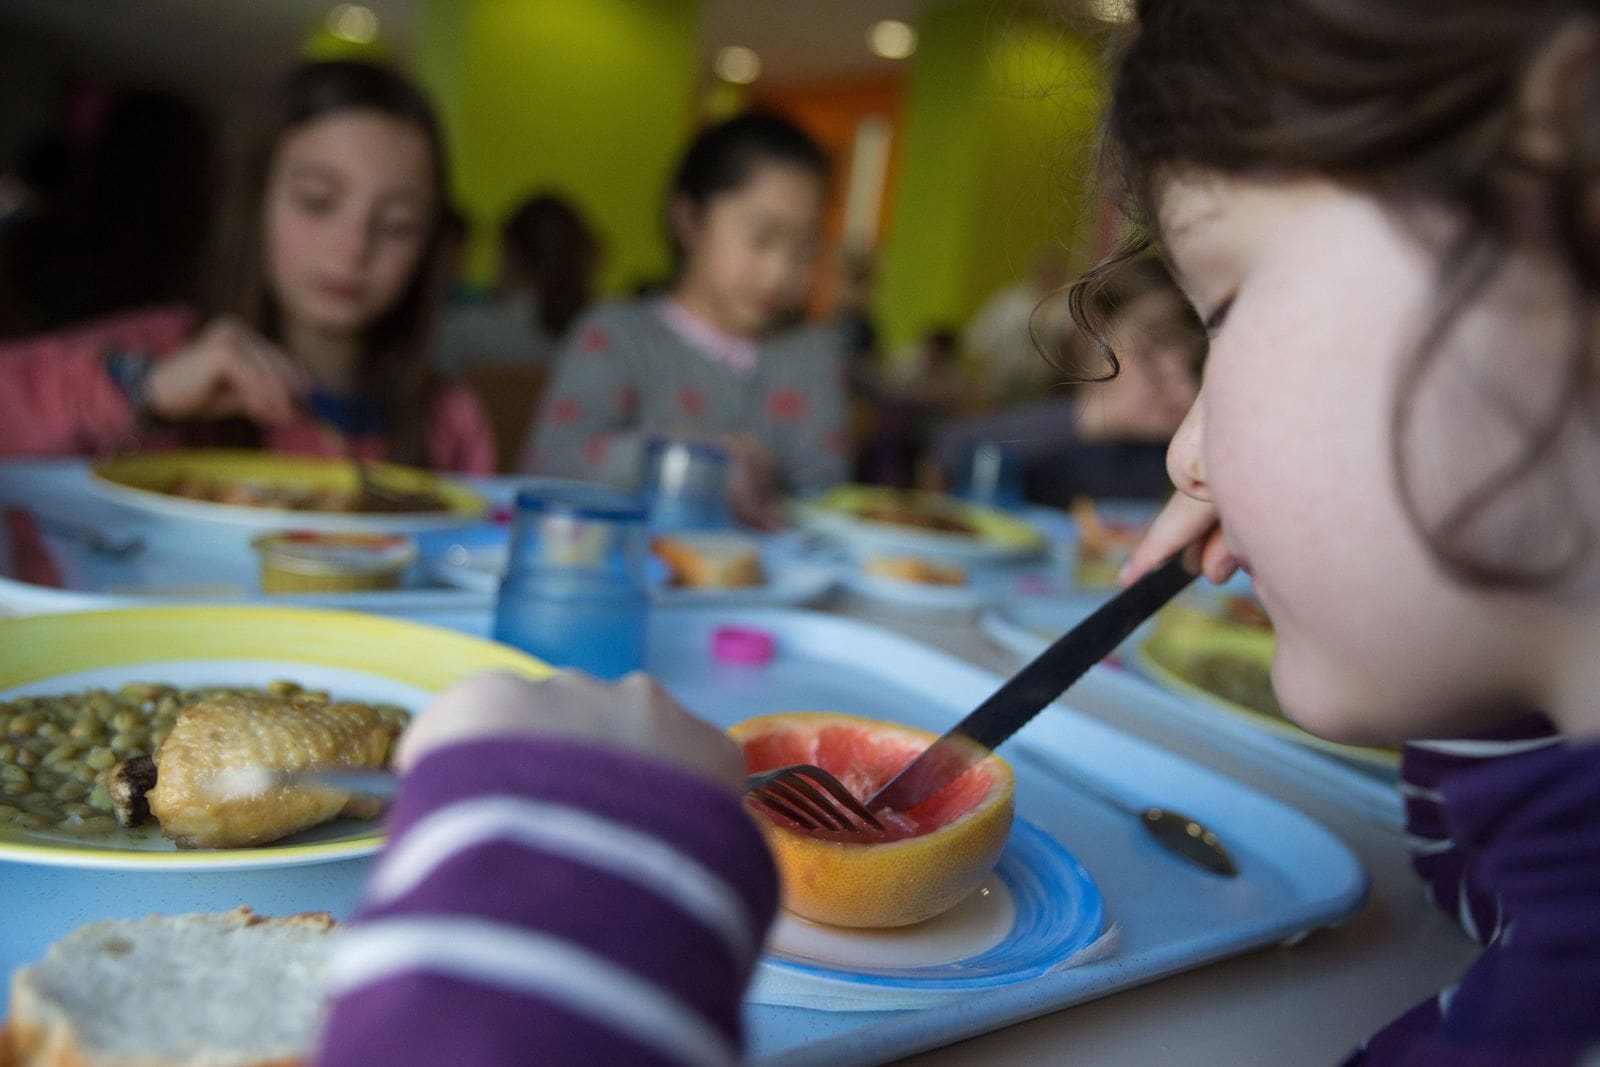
(805, 779)
(764, 797)
(803, 794)
(836, 789)
(812, 797)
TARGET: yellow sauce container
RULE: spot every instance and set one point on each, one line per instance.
(302, 561)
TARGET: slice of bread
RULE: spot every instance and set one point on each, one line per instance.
(709, 560)
(915, 569)
(210, 990)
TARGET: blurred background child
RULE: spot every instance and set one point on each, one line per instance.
(549, 255)
(323, 343)
(1016, 336)
(709, 359)
(1100, 439)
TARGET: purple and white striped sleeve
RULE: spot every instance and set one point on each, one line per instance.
(1445, 869)
(547, 902)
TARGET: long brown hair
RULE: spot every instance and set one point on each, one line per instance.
(1416, 102)
(396, 367)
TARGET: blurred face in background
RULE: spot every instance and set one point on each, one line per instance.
(1159, 349)
(348, 210)
(748, 252)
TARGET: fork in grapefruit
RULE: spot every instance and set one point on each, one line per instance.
(923, 862)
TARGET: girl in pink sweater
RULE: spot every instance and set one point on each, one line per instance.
(327, 343)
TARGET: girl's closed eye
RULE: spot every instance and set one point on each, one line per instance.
(1213, 322)
(400, 223)
(313, 198)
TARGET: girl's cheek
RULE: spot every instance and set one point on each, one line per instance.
(287, 243)
(398, 261)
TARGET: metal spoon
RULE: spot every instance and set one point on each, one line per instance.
(91, 537)
(1186, 838)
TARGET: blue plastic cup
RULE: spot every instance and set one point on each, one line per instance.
(574, 593)
(993, 477)
(686, 485)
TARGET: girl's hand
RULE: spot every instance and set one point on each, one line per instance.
(227, 369)
(752, 482)
(634, 715)
(1184, 523)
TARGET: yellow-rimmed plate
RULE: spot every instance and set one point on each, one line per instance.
(995, 535)
(1187, 642)
(355, 657)
(142, 482)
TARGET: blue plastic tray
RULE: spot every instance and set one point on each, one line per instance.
(1295, 876)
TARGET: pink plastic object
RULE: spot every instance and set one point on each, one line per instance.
(737, 644)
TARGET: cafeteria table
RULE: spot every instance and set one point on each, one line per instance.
(1307, 1003)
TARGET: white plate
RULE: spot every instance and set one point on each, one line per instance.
(132, 481)
(917, 596)
(790, 579)
(1035, 912)
(144, 847)
(986, 585)
(1006, 537)
(354, 657)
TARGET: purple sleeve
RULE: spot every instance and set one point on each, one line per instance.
(545, 902)
(1514, 815)
(1440, 860)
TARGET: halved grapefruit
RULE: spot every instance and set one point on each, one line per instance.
(925, 860)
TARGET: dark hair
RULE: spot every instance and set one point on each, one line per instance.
(1416, 102)
(724, 155)
(453, 226)
(1133, 279)
(396, 369)
(556, 254)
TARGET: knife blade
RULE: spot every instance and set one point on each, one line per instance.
(1032, 689)
(253, 780)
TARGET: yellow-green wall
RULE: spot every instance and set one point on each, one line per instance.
(998, 130)
(593, 98)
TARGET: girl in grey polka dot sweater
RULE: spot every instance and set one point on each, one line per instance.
(705, 360)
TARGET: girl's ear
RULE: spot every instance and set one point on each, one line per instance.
(683, 216)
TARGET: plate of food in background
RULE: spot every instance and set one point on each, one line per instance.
(724, 568)
(1215, 646)
(876, 520)
(266, 490)
(89, 702)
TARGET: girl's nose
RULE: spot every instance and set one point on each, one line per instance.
(1185, 466)
(351, 243)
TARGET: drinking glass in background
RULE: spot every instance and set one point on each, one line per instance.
(686, 485)
(574, 591)
(992, 477)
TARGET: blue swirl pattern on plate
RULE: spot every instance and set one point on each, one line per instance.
(1058, 911)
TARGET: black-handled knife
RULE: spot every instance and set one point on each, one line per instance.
(1032, 689)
